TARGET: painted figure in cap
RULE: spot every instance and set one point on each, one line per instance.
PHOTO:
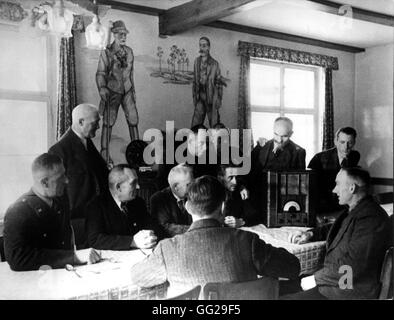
(114, 79)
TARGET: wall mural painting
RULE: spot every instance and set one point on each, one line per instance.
(206, 79)
(115, 83)
(174, 69)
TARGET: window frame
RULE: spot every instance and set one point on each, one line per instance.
(316, 111)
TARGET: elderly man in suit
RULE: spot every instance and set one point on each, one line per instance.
(168, 205)
(118, 219)
(207, 86)
(356, 243)
(328, 163)
(207, 252)
(85, 168)
(277, 154)
(280, 153)
(37, 229)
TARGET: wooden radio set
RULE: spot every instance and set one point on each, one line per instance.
(290, 198)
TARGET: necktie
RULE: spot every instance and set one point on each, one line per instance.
(123, 207)
(181, 205)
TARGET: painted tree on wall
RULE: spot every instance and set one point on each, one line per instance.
(177, 66)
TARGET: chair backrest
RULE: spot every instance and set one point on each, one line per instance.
(2, 255)
(387, 276)
(192, 294)
(261, 289)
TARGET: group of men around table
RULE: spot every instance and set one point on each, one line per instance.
(193, 225)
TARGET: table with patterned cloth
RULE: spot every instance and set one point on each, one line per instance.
(109, 279)
(311, 255)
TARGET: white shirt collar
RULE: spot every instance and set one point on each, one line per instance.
(118, 203)
(83, 139)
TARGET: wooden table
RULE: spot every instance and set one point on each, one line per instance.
(106, 280)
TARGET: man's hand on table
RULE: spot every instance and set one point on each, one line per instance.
(144, 239)
(300, 237)
(233, 222)
(86, 256)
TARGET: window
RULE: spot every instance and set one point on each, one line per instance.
(24, 111)
(290, 90)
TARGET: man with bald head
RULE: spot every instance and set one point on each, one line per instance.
(168, 205)
(277, 154)
(85, 168)
(118, 219)
(37, 228)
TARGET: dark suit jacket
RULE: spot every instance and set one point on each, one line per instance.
(238, 208)
(35, 235)
(208, 252)
(87, 171)
(326, 164)
(108, 228)
(292, 157)
(165, 210)
(358, 239)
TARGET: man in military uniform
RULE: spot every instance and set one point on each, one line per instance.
(114, 79)
(37, 229)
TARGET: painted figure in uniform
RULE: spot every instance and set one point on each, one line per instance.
(114, 79)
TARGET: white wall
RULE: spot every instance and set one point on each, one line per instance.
(158, 102)
(374, 109)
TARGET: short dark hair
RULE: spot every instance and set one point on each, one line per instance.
(359, 175)
(346, 130)
(46, 161)
(206, 39)
(222, 168)
(205, 195)
(116, 175)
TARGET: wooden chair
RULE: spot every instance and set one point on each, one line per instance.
(387, 276)
(261, 289)
(2, 255)
(192, 294)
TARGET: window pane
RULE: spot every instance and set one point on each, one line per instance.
(264, 85)
(23, 62)
(299, 88)
(23, 136)
(263, 124)
(304, 133)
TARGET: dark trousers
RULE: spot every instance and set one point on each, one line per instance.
(311, 294)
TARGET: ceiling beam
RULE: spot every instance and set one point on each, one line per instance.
(118, 5)
(357, 13)
(282, 36)
(197, 12)
(86, 4)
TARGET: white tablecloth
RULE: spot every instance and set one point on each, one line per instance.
(311, 254)
(109, 279)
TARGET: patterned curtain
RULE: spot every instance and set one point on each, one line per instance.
(67, 90)
(255, 50)
(328, 119)
(244, 114)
